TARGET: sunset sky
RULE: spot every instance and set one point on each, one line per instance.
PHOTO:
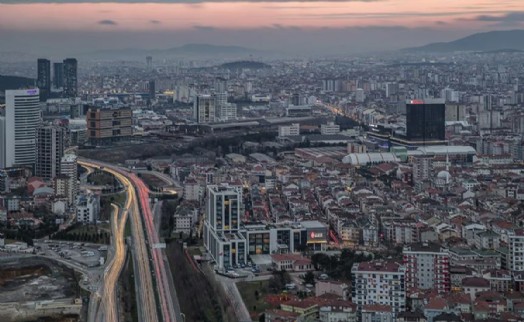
(287, 25)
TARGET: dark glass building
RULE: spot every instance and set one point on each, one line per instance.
(44, 78)
(70, 77)
(58, 75)
(425, 120)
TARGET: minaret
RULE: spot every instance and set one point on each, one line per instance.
(447, 166)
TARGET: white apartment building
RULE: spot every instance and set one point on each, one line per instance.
(379, 282)
(427, 267)
(289, 130)
(329, 129)
(87, 209)
(516, 250)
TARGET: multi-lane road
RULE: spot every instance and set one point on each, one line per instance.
(144, 238)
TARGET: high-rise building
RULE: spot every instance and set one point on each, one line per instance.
(204, 109)
(43, 80)
(18, 123)
(69, 169)
(427, 267)
(70, 77)
(58, 75)
(149, 62)
(425, 120)
(105, 125)
(222, 224)
(379, 282)
(50, 144)
(151, 89)
(220, 85)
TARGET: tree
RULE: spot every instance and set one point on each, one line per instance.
(309, 278)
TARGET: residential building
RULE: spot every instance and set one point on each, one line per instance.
(19, 121)
(87, 209)
(329, 129)
(427, 267)
(338, 310)
(289, 130)
(341, 289)
(105, 125)
(69, 168)
(516, 250)
(50, 149)
(379, 282)
(422, 165)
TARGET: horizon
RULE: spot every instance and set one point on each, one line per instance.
(288, 27)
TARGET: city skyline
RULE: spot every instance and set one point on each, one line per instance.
(287, 26)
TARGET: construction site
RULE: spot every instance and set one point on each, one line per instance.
(34, 288)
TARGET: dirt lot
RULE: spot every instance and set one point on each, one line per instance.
(34, 278)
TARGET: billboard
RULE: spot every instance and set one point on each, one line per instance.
(317, 235)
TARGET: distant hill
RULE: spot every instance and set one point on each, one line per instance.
(509, 40)
(244, 64)
(15, 82)
(205, 49)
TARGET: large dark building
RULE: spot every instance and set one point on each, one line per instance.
(70, 77)
(425, 120)
(58, 75)
(44, 78)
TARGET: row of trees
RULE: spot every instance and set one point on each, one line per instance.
(339, 266)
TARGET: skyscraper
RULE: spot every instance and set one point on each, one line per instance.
(426, 120)
(70, 77)
(58, 75)
(50, 149)
(43, 80)
(18, 123)
(151, 89)
(149, 62)
(204, 109)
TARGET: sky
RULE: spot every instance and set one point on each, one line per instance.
(309, 26)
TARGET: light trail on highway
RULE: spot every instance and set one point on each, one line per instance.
(146, 295)
(168, 309)
(115, 268)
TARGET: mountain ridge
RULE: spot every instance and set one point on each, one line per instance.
(483, 41)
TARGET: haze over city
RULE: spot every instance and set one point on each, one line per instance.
(291, 27)
(262, 161)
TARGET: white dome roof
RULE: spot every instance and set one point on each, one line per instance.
(443, 174)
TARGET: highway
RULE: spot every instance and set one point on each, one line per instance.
(168, 310)
(138, 204)
(146, 301)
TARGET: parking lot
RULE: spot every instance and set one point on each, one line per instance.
(85, 254)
